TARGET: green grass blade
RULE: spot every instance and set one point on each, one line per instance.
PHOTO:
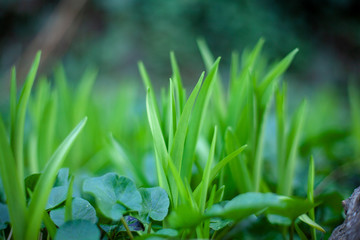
(161, 153)
(219, 94)
(220, 165)
(49, 225)
(300, 232)
(180, 187)
(64, 98)
(286, 184)
(196, 120)
(13, 186)
(46, 181)
(261, 117)
(68, 202)
(13, 99)
(239, 84)
(17, 133)
(83, 93)
(310, 193)
(206, 176)
(147, 82)
(171, 115)
(47, 130)
(238, 168)
(277, 70)
(280, 131)
(177, 148)
(305, 218)
(180, 92)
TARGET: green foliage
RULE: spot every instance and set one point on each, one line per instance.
(78, 229)
(208, 170)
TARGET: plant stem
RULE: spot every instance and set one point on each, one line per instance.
(127, 228)
(10, 234)
(149, 228)
(292, 231)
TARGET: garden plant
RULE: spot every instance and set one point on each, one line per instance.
(76, 164)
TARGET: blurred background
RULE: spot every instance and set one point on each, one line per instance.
(114, 35)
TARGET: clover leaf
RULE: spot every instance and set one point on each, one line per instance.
(115, 195)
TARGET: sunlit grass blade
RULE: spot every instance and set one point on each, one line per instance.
(292, 142)
(17, 132)
(46, 181)
(159, 143)
(219, 93)
(148, 85)
(177, 148)
(180, 91)
(196, 120)
(171, 115)
(277, 70)
(239, 83)
(13, 186)
(13, 100)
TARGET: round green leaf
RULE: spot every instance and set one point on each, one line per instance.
(57, 196)
(81, 209)
(78, 230)
(114, 195)
(155, 203)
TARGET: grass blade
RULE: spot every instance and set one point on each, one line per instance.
(13, 187)
(206, 176)
(277, 70)
(17, 133)
(177, 148)
(13, 91)
(46, 181)
(159, 143)
(286, 184)
(196, 120)
(180, 92)
(310, 193)
(219, 89)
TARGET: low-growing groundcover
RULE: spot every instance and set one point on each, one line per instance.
(194, 165)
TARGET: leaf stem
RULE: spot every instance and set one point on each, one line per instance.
(127, 228)
(149, 228)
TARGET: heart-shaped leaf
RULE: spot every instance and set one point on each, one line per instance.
(57, 196)
(78, 230)
(155, 204)
(81, 209)
(115, 195)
